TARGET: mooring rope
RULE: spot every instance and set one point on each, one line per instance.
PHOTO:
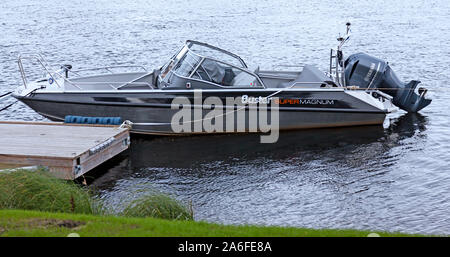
(130, 123)
(5, 94)
(386, 88)
(9, 105)
(184, 122)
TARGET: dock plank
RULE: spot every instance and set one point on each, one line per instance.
(60, 146)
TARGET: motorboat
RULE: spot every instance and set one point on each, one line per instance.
(358, 90)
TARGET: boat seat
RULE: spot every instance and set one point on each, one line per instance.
(308, 74)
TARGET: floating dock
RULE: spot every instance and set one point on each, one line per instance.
(68, 150)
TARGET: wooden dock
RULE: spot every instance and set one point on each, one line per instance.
(68, 150)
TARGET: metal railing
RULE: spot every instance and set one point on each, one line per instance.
(122, 84)
(107, 68)
(55, 74)
(41, 61)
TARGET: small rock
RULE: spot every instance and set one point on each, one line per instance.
(73, 235)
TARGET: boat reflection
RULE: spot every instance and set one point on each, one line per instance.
(193, 156)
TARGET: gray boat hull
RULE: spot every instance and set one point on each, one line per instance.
(151, 113)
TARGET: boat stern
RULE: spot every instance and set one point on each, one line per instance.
(376, 100)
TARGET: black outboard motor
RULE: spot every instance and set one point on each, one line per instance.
(365, 71)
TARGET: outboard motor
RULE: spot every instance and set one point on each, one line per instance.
(368, 72)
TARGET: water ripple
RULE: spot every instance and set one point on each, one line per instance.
(396, 178)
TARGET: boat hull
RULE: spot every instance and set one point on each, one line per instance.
(152, 113)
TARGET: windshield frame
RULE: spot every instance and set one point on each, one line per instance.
(186, 49)
(191, 43)
(215, 60)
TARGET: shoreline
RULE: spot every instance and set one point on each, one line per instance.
(23, 223)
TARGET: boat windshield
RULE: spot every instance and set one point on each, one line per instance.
(216, 53)
(224, 74)
(199, 65)
(175, 59)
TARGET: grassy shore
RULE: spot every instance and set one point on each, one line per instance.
(34, 223)
(38, 190)
(33, 203)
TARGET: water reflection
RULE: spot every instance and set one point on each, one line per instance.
(341, 177)
(409, 124)
(389, 179)
(172, 160)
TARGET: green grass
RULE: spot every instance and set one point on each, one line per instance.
(38, 190)
(34, 223)
(158, 206)
(33, 203)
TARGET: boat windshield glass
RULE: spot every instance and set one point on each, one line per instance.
(168, 66)
(230, 72)
(225, 75)
(187, 64)
(217, 54)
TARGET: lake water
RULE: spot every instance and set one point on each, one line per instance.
(394, 178)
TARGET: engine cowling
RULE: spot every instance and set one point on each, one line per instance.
(365, 71)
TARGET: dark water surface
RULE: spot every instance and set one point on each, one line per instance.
(394, 178)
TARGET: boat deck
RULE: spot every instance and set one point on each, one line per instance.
(68, 150)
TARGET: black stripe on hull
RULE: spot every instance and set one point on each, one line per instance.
(27, 100)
